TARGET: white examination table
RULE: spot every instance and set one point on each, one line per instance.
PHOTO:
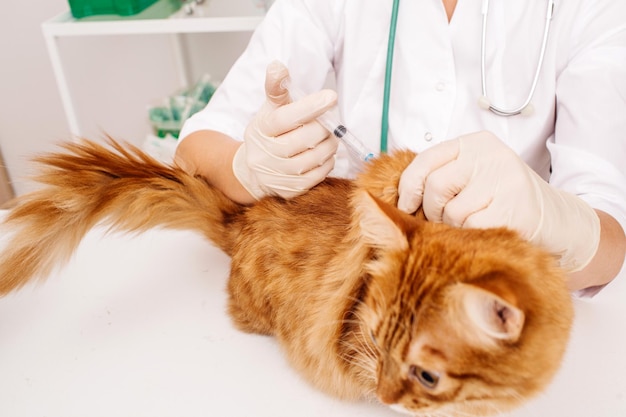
(136, 326)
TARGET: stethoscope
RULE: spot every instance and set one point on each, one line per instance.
(525, 108)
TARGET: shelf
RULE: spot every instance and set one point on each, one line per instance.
(211, 16)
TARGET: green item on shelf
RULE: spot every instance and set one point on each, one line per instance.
(168, 118)
(97, 10)
(163, 122)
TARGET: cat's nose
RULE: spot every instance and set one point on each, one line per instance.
(390, 390)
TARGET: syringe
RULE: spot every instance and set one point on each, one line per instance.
(333, 125)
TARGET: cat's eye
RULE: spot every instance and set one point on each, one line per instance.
(428, 379)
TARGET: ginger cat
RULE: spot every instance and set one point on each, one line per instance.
(364, 299)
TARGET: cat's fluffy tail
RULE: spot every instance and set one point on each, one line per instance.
(87, 184)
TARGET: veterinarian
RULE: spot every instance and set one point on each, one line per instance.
(517, 110)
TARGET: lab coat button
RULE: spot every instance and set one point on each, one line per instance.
(428, 136)
(440, 86)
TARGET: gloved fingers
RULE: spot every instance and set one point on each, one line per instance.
(297, 164)
(496, 215)
(464, 209)
(242, 172)
(290, 116)
(275, 73)
(442, 185)
(319, 156)
(288, 186)
(481, 219)
(301, 139)
(285, 150)
(413, 180)
(317, 174)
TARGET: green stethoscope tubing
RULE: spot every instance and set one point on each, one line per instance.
(388, 70)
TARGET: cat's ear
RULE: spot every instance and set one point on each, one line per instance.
(491, 316)
(381, 224)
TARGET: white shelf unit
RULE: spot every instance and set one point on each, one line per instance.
(210, 16)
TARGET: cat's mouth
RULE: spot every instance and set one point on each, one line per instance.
(400, 409)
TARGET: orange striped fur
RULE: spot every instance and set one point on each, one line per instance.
(365, 300)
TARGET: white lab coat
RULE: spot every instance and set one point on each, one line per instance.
(436, 80)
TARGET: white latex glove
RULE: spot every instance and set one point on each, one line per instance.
(477, 181)
(285, 150)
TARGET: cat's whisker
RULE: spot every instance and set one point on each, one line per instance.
(364, 362)
(363, 371)
(341, 321)
(369, 351)
(351, 345)
(359, 304)
(374, 286)
(459, 413)
(516, 394)
(455, 413)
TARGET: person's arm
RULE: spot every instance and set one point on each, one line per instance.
(210, 154)
(609, 257)
(588, 151)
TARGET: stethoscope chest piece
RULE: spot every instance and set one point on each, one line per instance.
(528, 110)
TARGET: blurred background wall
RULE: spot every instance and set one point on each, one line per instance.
(112, 79)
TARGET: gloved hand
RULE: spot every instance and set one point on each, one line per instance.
(477, 181)
(285, 150)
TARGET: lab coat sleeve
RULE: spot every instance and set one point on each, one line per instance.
(300, 33)
(588, 150)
